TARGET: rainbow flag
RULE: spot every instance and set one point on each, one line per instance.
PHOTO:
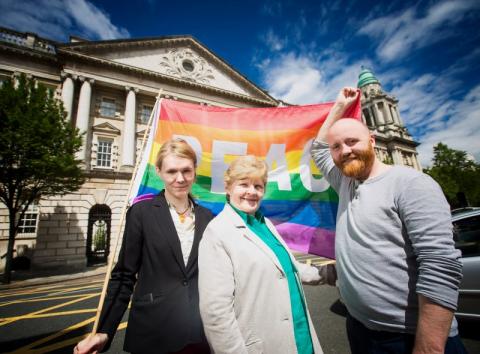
(298, 200)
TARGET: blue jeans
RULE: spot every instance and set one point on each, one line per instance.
(366, 341)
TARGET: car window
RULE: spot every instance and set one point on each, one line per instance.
(466, 233)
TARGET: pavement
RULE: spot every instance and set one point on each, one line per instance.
(22, 279)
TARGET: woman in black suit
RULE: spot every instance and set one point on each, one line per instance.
(158, 264)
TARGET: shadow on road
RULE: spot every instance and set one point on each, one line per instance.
(12, 345)
(42, 345)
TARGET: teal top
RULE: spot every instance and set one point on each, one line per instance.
(258, 226)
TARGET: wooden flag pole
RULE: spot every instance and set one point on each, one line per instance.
(122, 220)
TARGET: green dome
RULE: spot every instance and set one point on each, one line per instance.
(366, 77)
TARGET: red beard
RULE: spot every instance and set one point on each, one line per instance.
(357, 165)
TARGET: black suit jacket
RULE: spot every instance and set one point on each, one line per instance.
(164, 315)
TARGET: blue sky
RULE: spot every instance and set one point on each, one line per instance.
(426, 53)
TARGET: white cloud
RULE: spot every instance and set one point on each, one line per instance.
(292, 34)
(399, 34)
(295, 79)
(459, 131)
(93, 20)
(274, 42)
(433, 116)
(272, 8)
(419, 98)
(299, 79)
(56, 19)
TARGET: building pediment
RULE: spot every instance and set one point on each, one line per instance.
(106, 128)
(180, 57)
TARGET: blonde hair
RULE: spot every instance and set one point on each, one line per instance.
(179, 148)
(248, 166)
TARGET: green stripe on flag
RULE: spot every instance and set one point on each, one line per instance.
(201, 189)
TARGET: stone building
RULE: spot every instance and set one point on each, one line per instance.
(108, 89)
(380, 113)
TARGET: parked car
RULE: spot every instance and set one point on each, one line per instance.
(464, 209)
(466, 233)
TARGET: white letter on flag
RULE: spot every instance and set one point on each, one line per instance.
(276, 153)
(310, 183)
(219, 150)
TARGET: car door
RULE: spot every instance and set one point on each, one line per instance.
(467, 240)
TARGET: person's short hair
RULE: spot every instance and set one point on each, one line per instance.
(179, 148)
(248, 166)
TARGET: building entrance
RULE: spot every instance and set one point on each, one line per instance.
(98, 236)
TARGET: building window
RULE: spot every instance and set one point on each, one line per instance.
(108, 108)
(104, 153)
(28, 224)
(145, 113)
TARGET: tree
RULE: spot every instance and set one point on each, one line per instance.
(457, 174)
(37, 151)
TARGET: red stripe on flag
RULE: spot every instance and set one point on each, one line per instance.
(275, 118)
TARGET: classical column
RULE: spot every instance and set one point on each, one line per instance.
(380, 114)
(67, 94)
(386, 113)
(392, 114)
(397, 157)
(128, 151)
(416, 163)
(83, 113)
(395, 108)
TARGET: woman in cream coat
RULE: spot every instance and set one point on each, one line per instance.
(251, 297)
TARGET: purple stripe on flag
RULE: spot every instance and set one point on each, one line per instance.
(143, 197)
(308, 239)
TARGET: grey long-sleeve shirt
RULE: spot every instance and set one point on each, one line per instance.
(393, 242)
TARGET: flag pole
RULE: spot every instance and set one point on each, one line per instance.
(122, 219)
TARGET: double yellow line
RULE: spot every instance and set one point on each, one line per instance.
(52, 293)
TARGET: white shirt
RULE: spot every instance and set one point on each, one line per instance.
(185, 231)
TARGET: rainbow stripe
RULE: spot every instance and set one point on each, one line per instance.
(298, 200)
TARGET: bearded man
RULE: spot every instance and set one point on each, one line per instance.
(398, 270)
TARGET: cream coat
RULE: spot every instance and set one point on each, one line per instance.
(244, 297)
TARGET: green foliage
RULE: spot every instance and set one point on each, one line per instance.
(388, 160)
(37, 148)
(456, 174)
(99, 239)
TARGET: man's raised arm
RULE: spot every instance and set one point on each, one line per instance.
(345, 98)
